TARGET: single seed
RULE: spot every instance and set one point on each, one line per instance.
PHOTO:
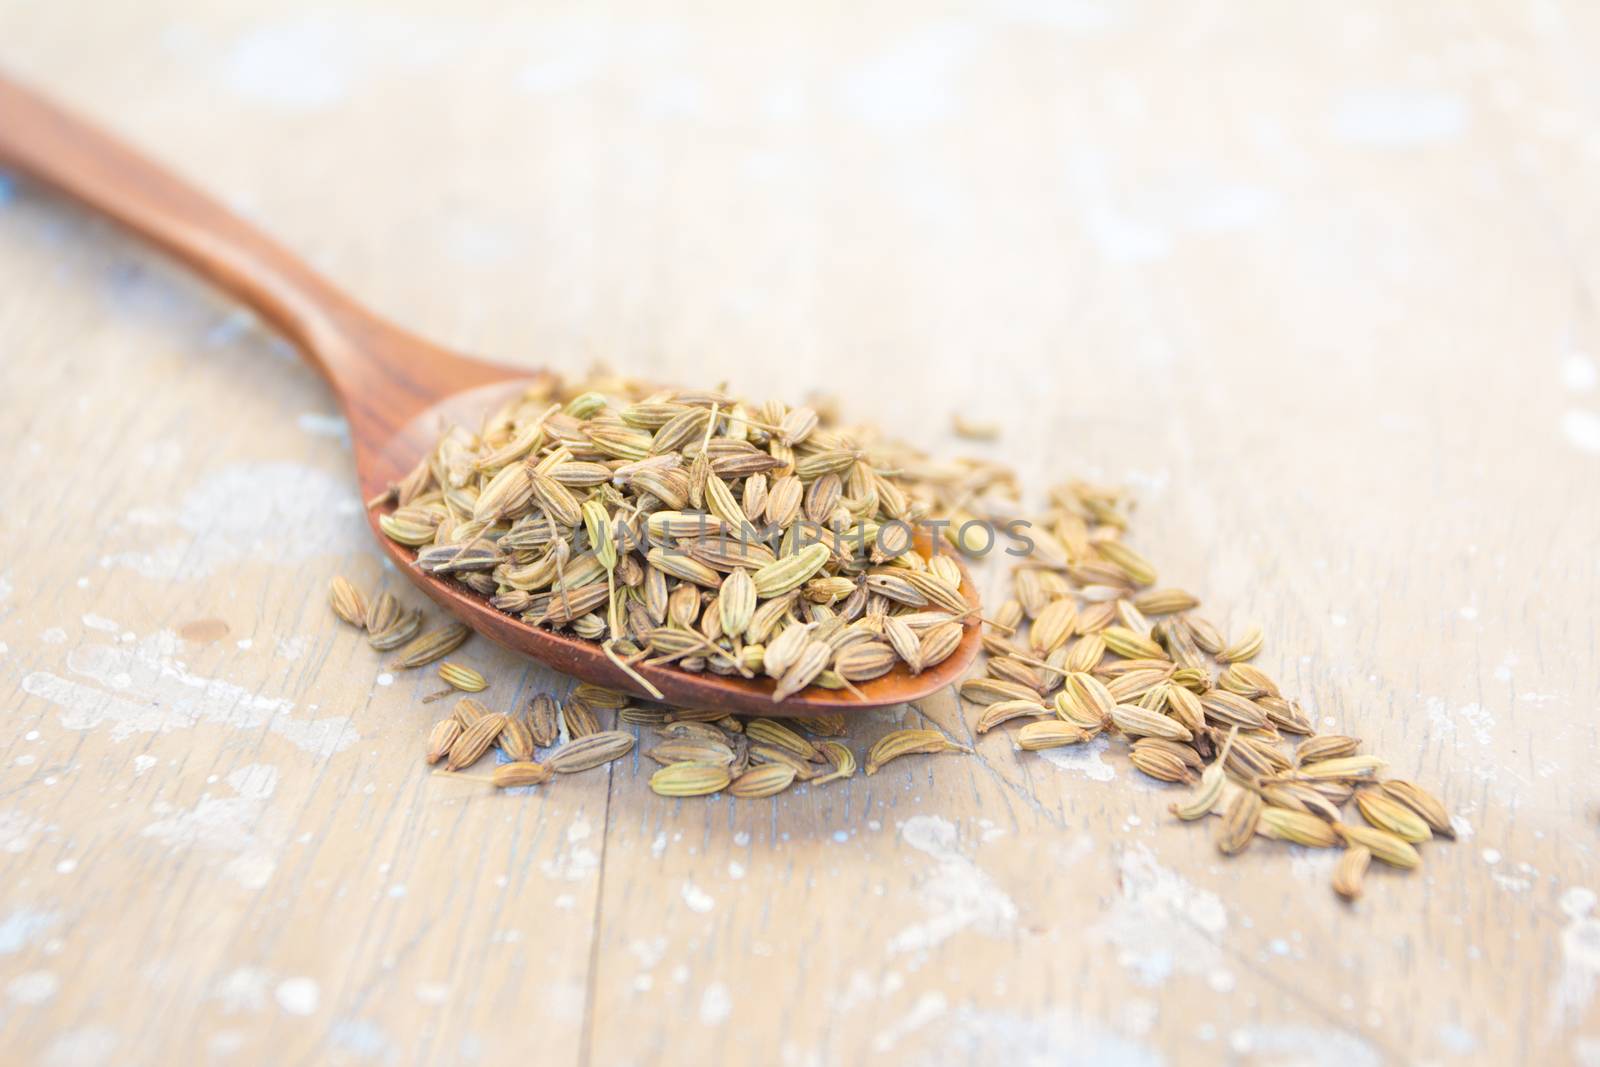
(1205, 797)
(403, 629)
(1298, 796)
(1135, 566)
(904, 641)
(347, 602)
(520, 773)
(382, 613)
(1124, 642)
(1006, 710)
(1054, 625)
(892, 746)
(544, 719)
(589, 752)
(1239, 820)
(769, 732)
(1424, 804)
(434, 645)
(1350, 873)
(468, 711)
(768, 779)
(1165, 601)
(689, 780)
(440, 739)
(1049, 733)
(1345, 767)
(813, 659)
(1297, 827)
(1387, 813)
(790, 572)
(1244, 648)
(696, 715)
(1086, 653)
(474, 741)
(1207, 636)
(1383, 845)
(764, 753)
(843, 760)
(579, 718)
(737, 601)
(463, 678)
(1141, 722)
(991, 690)
(1286, 715)
(1185, 707)
(1011, 669)
(704, 731)
(1160, 764)
(636, 716)
(939, 643)
(973, 430)
(692, 750)
(1247, 681)
(516, 740)
(865, 660)
(1230, 709)
(1324, 747)
(599, 696)
(830, 724)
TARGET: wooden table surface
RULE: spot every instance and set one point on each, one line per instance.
(1319, 283)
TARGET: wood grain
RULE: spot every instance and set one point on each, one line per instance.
(1318, 284)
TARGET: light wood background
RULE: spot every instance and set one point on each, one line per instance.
(1318, 281)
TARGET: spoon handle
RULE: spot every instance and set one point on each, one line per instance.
(64, 153)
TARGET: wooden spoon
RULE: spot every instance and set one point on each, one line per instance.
(395, 388)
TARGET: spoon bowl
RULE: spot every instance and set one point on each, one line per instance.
(396, 391)
(585, 659)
